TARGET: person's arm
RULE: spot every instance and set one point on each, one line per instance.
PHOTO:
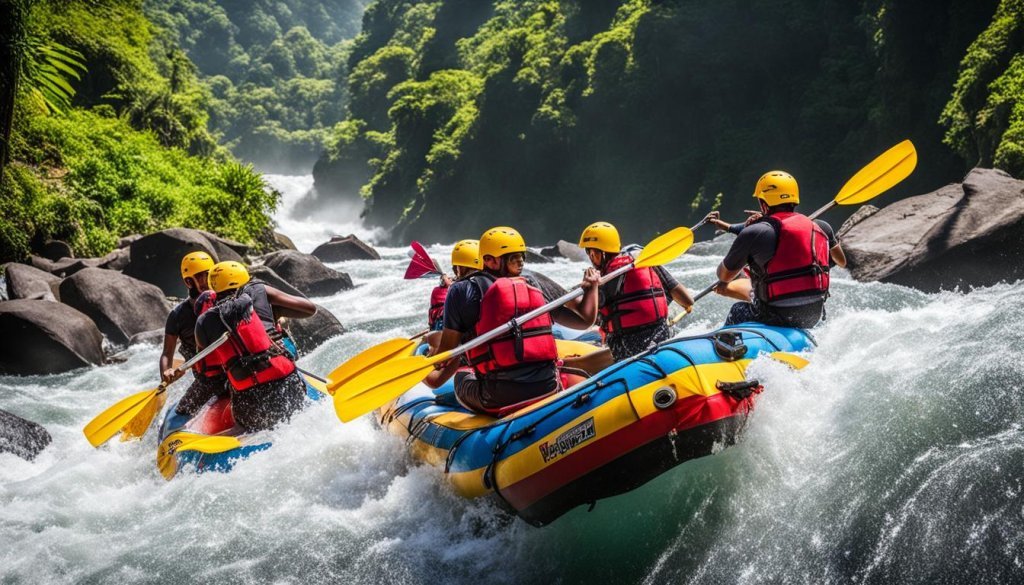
(682, 297)
(835, 249)
(167, 372)
(582, 312)
(450, 339)
(291, 306)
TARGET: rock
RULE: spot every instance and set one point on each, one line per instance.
(28, 282)
(307, 273)
(284, 241)
(858, 216)
(536, 258)
(41, 337)
(965, 234)
(116, 260)
(267, 275)
(55, 250)
(156, 258)
(120, 305)
(126, 241)
(552, 290)
(340, 249)
(222, 245)
(21, 437)
(310, 333)
(571, 251)
(44, 264)
(151, 337)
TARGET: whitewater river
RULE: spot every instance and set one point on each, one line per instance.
(896, 456)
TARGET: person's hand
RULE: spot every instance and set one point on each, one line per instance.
(168, 375)
(591, 277)
(753, 216)
(713, 216)
(721, 288)
(446, 280)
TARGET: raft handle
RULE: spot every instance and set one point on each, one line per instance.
(740, 390)
(664, 397)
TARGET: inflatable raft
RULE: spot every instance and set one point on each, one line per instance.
(605, 436)
(198, 442)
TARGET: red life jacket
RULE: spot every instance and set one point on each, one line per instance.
(799, 267)
(203, 368)
(639, 300)
(249, 357)
(505, 299)
(436, 312)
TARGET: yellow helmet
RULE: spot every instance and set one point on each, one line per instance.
(601, 235)
(777, 188)
(466, 253)
(499, 241)
(194, 263)
(228, 275)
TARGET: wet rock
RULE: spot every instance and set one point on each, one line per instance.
(21, 437)
(41, 337)
(28, 282)
(116, 260)
(307, 273)
(156, 258)
(152, 337)
(120, 305)
(567, 250)
(552, 290)
(55, 250)
(966, 234)
(340, 249)
(267, 275)
(537, 258)
(310, 333)
(864, 212)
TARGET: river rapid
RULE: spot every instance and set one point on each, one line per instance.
(896, 456)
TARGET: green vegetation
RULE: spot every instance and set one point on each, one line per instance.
(131, 155)
(275, 71)
(549, 114)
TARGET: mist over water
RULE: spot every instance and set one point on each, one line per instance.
(896, 456)
(310, 218)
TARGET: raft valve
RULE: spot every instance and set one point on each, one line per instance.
(664, 397)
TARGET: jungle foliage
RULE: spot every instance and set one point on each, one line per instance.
(550, 114)
(275, 70)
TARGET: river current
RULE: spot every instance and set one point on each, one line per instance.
(896, 456)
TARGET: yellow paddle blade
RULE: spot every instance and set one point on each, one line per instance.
(137, 427)
(790, 359)
(109, 422)
(383, 384)
(665, 248)
(367, 359)
(179, 441)
(881, 174)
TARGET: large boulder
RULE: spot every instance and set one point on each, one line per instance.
(28, 282)
(966, 234)
(120, 305)
(306, 273)
(21, 437)
(267, 275)
(536, 257)
(552, 290)
(41, 337)
(55, 250)
(340, 249)
(156, 258)
(309, 333)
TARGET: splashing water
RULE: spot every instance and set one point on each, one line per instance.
(896, 456)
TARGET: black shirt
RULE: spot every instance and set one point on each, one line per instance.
(757, 243)
(181, 323)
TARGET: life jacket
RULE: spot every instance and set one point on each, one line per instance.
(435, 316)
(249, 357)
(504, 299)
(203, 368)
(638, 301)
(799, 268)
(257, 291)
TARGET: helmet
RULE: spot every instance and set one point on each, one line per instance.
(777, 188)
(194, 263)
(601, 235)
(228, 275)
(466, 253)
(499, 241)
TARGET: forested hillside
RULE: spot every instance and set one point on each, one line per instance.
(549, 114)
(105, 134)
(275, 71)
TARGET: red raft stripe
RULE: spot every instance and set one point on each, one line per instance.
(686, 414)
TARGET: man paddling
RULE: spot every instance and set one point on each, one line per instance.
(634, 306)
(180, 328)
(265, 387)
(787, 255)
(519, 367)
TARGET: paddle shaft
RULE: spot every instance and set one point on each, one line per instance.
(206, 351)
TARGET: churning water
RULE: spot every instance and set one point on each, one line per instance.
(897, 456)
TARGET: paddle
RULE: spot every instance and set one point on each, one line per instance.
(370, 357)
(109, 422)
(383, 383)
(880, 175)
(422, 264)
